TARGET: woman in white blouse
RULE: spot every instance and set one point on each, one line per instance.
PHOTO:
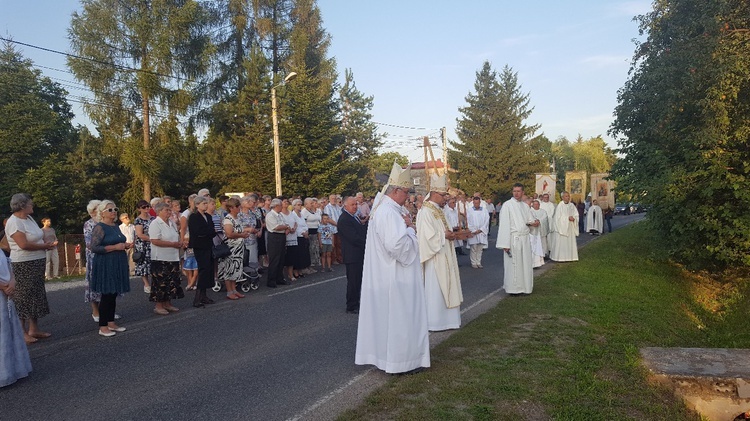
(165, 260)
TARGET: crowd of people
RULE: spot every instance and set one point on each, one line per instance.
(400, 251)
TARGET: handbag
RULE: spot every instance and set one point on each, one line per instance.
(138, 257)
(220, 249)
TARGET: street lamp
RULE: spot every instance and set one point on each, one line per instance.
(276, 156)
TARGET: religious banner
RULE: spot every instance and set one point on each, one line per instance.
(546, 183)
(575, 184)
(603, 191)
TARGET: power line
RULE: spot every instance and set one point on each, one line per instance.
(116, 66)
(403, 127)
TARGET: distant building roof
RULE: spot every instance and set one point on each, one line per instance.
(432, 164)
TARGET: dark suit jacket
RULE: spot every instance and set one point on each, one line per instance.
(353, 236)
(201, 231)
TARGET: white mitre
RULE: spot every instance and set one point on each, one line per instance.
(439, 183)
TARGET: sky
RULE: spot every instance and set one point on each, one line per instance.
(419, 58)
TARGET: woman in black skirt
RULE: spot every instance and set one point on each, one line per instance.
(202, 232)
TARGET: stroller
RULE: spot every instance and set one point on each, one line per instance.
(250, 279)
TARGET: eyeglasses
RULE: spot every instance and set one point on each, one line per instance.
(112, 210)
(146, 207)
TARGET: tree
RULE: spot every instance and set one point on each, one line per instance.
(495, 147)
(35, 119)
(682, 125)
(359, 135)
(591, 155)
(137, 55)
(310, 141)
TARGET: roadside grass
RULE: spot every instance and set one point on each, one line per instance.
(570, 351)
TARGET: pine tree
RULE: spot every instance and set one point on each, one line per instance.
(360, 137)
(494, 147)
(310, 141)
(138, 57)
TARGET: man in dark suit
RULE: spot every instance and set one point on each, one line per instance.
(353, 233)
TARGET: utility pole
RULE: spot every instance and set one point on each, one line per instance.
(445, 147)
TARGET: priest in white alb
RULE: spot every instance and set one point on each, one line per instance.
(513, 240)
(538, 232)
(451, 215)
(594, 220)
(566, 231)
(549, 208)
(477, 221)
(442, 284)
(392, 331)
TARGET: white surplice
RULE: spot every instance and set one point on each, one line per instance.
(565, 248)
(442, 284)
(392, 330)
(451, 215)
(549, 208)
(594, 220)
(538, 236)
(513, 234)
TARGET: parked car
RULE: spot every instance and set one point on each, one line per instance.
(622, 209)
(636, 208)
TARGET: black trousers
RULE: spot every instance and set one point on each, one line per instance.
(205, 260)
(276, 249)
(353, 285)
(107, 309)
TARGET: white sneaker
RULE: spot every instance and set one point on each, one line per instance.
(147, 290)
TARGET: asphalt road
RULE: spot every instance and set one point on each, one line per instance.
(278, 354)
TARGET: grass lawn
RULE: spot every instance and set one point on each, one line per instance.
(570, 350)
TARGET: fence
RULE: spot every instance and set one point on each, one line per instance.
(72, 251)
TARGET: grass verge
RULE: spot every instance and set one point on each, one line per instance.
(570, 350)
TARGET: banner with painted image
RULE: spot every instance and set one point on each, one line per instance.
(603, 191)
(575, 184)
(546, 183)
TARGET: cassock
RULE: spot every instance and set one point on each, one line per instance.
(392, 330)
(565, 248)
(594, 221)
(442, 284)
(451, 215)
(549, 208)
(538, 236)
(513, 234)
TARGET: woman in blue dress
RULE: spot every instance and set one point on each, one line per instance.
(110, 274)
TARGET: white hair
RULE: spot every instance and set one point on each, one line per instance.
(92, 206)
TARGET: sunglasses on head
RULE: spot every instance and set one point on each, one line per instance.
(111, 210)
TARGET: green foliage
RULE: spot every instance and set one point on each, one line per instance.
(682, 123)
(591, 155)
(383, 163)
(360, 137)
(35, 120)
(495, 147)
(138, 56)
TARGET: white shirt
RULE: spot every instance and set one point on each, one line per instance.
(312, 218)
(128, 230)
(165, 231)
(34, 235)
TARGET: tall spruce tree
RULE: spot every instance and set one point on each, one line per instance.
(494, 147)
(682, 125)
(140, 60)
(310, 141)
(360, 137)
